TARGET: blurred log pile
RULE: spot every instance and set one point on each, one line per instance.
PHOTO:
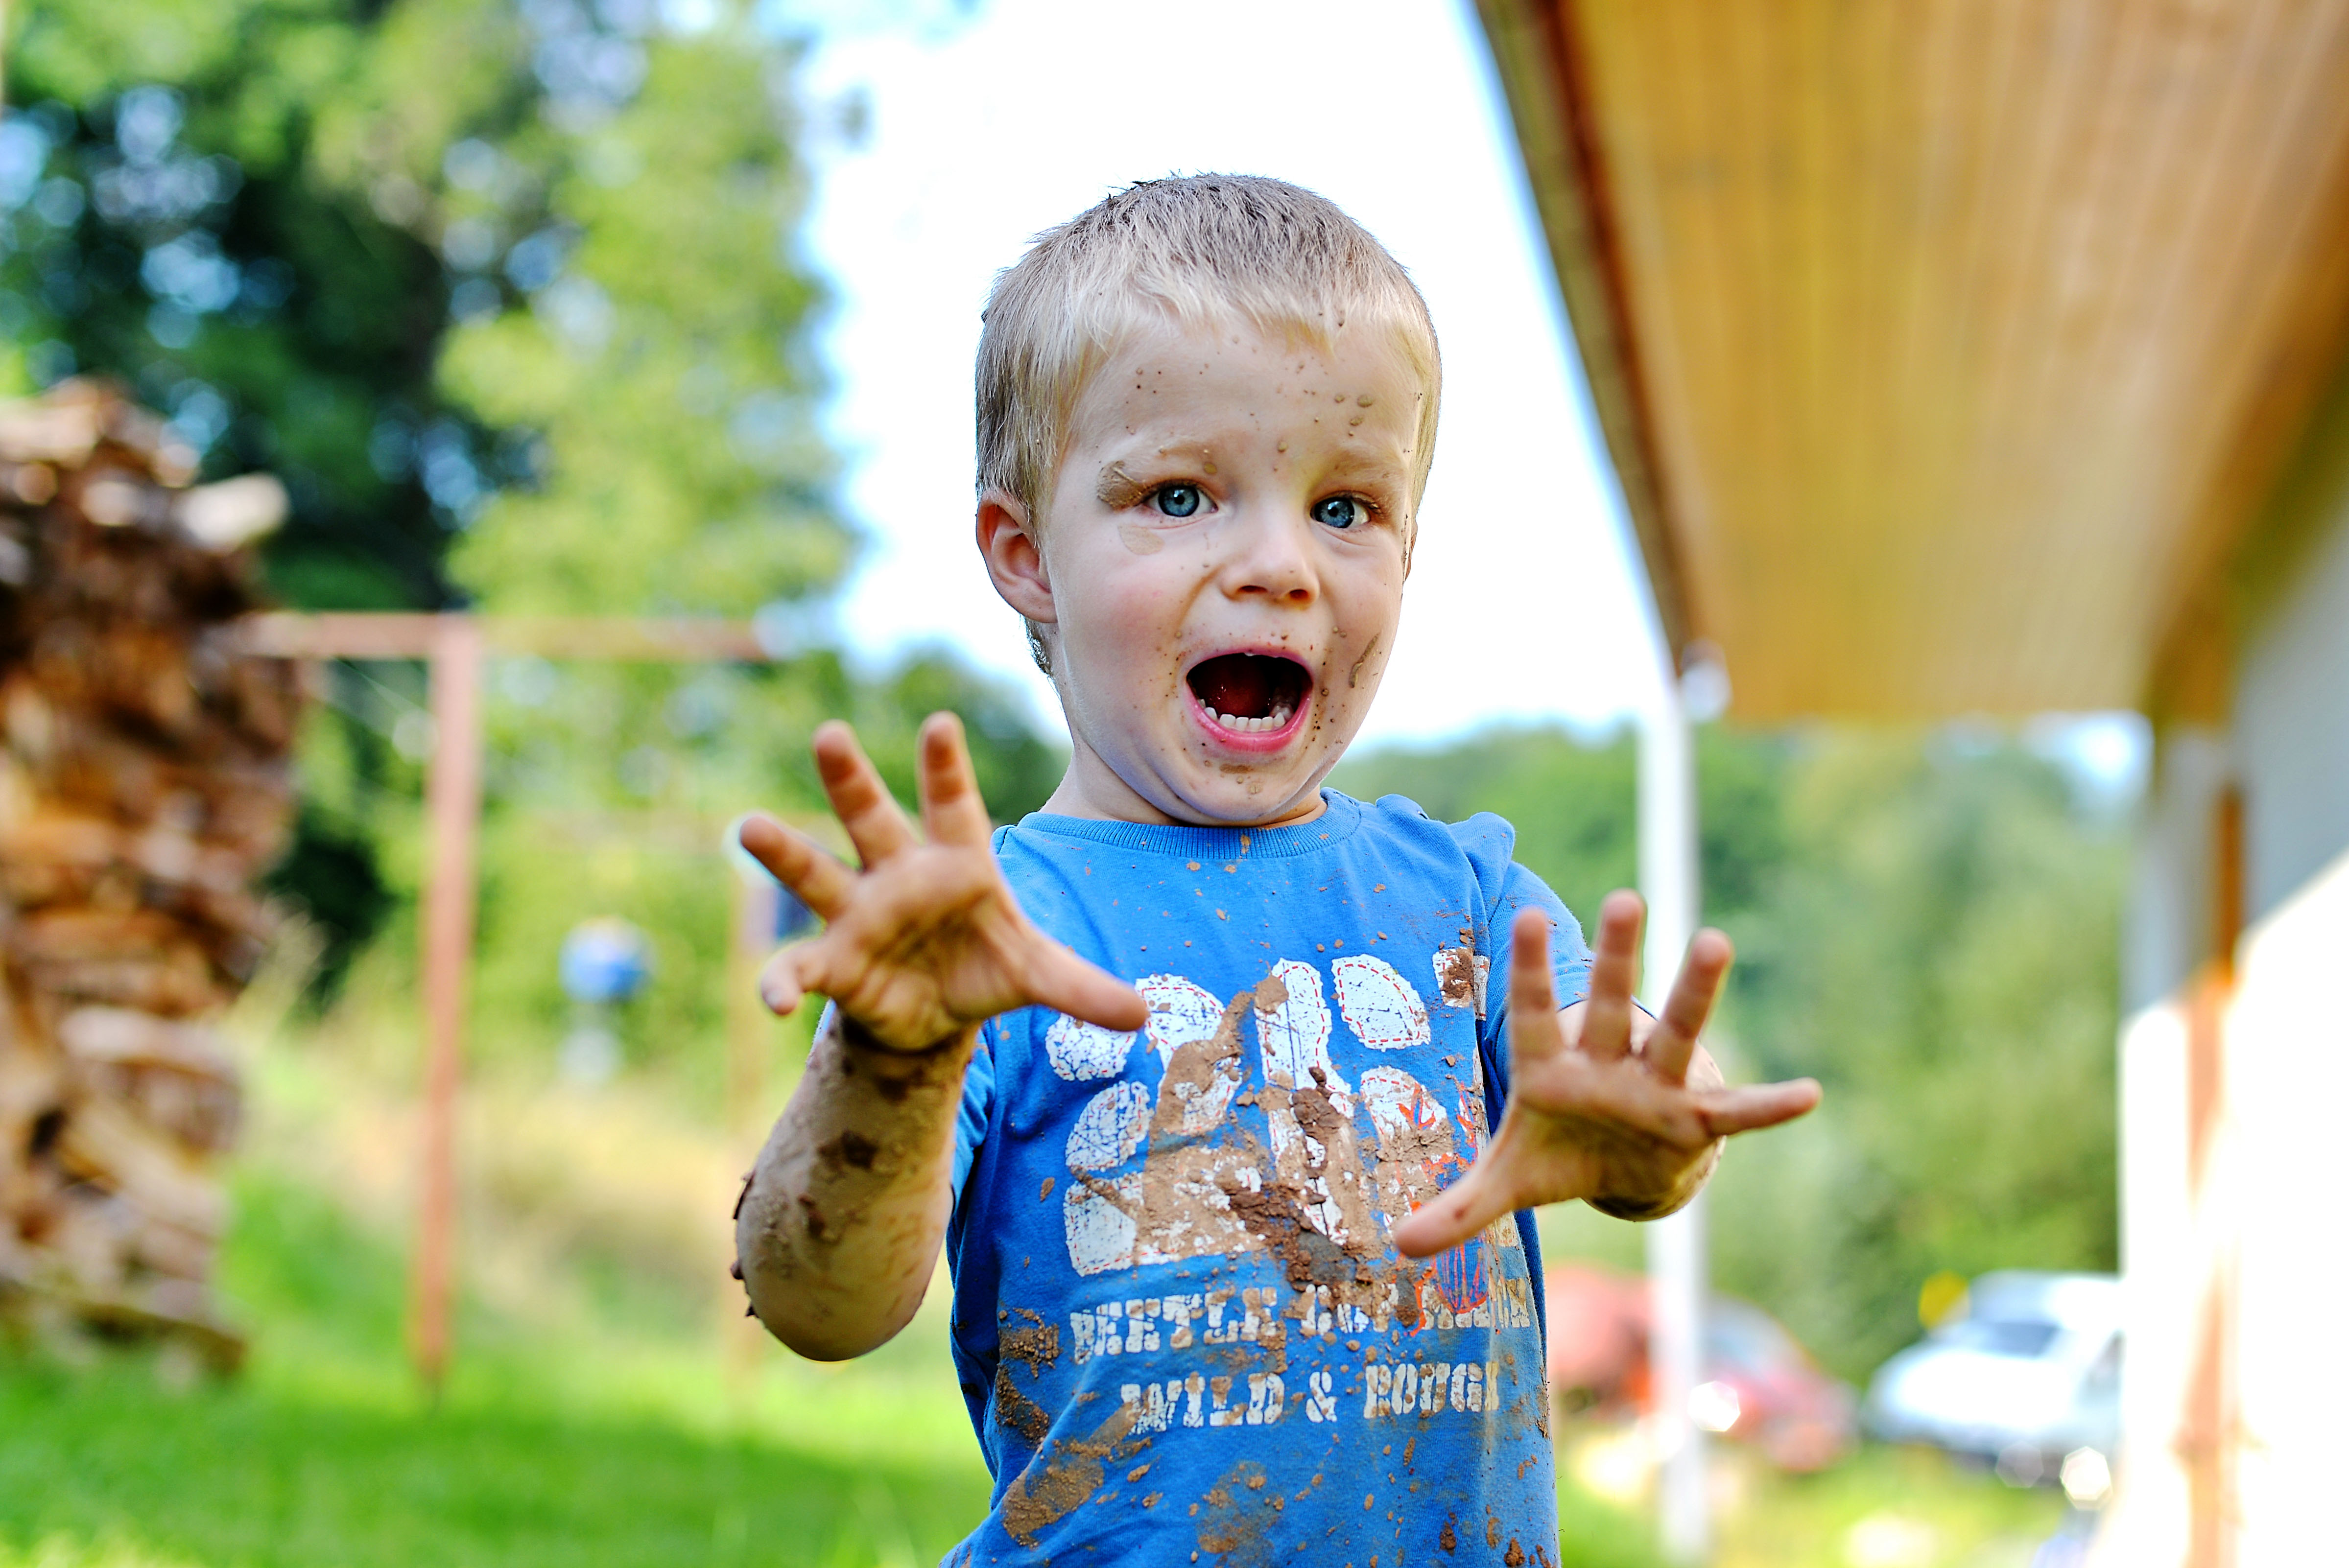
(144, 784)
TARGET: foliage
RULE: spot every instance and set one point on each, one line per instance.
(1573, 804)
(506, 290)
(615, 198)
(1943, 952)
(1928, 927)
(163, 225)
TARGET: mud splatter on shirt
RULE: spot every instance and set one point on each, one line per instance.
(1216, 1302)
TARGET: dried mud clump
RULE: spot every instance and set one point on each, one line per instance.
(1034, 1349)
(1064, 1476)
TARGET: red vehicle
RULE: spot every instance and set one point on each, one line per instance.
(1760, 1386)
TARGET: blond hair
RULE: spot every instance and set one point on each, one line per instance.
(1204, 249)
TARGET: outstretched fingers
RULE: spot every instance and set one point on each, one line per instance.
(1533, 1032)
(876, 825)
(1694, 991)
(1614, 971)
(1726, 1111)
(953, 812)
(800, 864)
(1456, 1213)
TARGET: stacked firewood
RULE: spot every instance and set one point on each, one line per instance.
(144, 784)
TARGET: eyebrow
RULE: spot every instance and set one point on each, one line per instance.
(1117, 488)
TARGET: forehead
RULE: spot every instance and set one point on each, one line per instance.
(1217, 380)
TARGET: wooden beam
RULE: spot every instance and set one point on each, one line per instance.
(401, 634)
(455, 645)
(453, 804)
(1538, 56)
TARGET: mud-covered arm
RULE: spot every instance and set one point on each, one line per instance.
(838, 1229)
(839, 1225)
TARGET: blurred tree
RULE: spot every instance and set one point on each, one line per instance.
(1930, 927)
(162, 225)
(615, 196)
(1940, 949)
(1574, 803)
(507, 290)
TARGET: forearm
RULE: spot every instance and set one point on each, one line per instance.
(839, 1229)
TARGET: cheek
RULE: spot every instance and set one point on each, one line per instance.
(1124, 629)
(1121, 610)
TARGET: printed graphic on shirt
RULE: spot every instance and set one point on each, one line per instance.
(1379, 1005)
(1181, 1347)
(1079, 1050)
(1337, 1164)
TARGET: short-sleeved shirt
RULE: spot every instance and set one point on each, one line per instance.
(1180, 1319)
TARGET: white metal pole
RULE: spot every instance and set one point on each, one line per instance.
(1676, 1244)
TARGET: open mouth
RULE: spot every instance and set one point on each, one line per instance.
(1250, 694)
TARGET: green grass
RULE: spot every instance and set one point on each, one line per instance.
(550, 1450)
(627, 1435)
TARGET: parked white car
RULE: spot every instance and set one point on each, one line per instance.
(2026, 1373)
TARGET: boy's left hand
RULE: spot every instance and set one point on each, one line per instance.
(1604, 1103)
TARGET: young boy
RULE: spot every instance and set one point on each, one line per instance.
(1200, 1072)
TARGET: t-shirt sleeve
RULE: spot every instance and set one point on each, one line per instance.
(1490, 844)
(978, 1099)
(1569, 955)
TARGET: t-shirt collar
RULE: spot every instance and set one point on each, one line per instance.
(1340, 815)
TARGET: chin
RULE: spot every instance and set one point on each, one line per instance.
(1225, 801)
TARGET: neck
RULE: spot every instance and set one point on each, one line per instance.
(1092, 789)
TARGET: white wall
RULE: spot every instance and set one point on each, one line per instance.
(2256, 1235)
(2291, 720)
(2160, 1261)
(2167, 934)
(2287, 1077)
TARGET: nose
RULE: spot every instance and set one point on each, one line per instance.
(1269, 558)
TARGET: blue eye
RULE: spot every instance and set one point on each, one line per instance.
(1340, 512)
(1177, 500)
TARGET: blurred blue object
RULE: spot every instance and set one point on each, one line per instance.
(793, 918)
(604, 961)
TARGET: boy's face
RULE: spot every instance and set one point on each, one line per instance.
(1221, 570)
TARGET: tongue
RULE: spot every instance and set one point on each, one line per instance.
(1239, 686)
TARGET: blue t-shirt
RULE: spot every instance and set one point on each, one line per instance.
(1180, 1322)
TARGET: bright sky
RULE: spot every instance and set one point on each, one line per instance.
(1525, 601)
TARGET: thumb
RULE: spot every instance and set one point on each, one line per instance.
(1457, 1212)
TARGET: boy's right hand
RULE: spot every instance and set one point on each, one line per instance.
(926, 942)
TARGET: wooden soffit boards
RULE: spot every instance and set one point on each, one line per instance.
(1943, 346)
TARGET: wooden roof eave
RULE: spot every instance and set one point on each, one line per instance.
(1536, 55)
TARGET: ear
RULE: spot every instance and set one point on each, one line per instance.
(1015, 562)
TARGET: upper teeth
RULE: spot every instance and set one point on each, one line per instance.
(1270, 721)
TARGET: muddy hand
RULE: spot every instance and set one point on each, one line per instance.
(925, 940)
(1604, 1103)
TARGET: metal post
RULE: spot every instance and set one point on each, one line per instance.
(452, 796)
(1676, 1245)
